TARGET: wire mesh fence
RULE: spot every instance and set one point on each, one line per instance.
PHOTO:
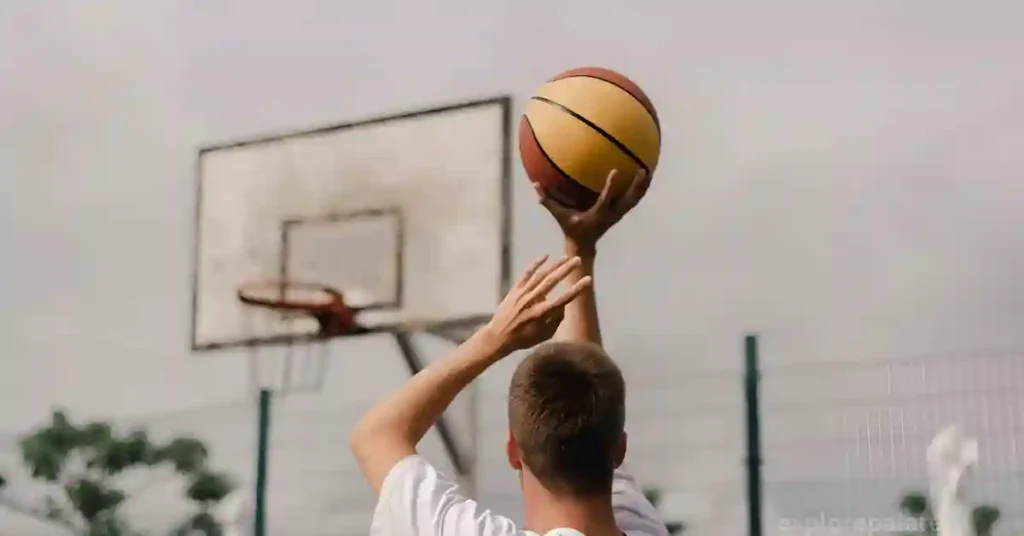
(845, 442)
(842, 444)
(313, 483)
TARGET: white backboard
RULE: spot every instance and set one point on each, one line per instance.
(411, 212)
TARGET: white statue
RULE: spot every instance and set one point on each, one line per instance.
(951, 458)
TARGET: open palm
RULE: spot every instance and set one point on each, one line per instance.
(529, 315)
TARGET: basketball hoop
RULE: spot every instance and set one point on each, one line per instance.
(324, 304)
(294, 300)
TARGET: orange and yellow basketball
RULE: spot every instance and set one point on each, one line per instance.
(581, 125)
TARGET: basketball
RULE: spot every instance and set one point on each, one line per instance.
(581, 125)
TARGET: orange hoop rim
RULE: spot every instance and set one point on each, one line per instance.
(332, 300)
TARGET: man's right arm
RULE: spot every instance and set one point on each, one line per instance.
(582, 230)
(580, 323)
(634, 513)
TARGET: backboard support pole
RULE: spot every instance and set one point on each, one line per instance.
(446, 335)
(263, 445)
(455, 453)
(751, 389)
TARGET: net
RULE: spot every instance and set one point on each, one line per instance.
(288, 367)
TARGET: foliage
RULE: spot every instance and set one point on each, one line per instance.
(654, 497)
(82, 465)
(984, 518)
(916, 505)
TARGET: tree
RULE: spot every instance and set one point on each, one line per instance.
(916, 505)
(984, 517)
(82, 464)
(654, 497)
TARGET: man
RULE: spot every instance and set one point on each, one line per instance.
(566, 409)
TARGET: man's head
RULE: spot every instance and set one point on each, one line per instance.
(566, 412)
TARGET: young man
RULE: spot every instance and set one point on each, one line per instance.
(566, 409)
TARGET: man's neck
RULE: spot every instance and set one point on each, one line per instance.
(545, 511)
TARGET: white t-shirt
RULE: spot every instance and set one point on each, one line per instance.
(417, 500)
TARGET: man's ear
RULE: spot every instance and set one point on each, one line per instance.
(512, 451)
(620, 451)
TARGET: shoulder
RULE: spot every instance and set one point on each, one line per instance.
(635, 515)
(418, 500)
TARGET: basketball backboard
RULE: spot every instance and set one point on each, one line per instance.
(407, 214)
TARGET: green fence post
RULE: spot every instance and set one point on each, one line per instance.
(259, 525)
(751, 382)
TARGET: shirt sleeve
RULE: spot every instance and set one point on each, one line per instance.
(633, 512)
(417, 500)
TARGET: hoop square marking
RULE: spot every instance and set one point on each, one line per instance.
(358, 253)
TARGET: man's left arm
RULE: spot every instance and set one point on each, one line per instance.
(413, 497)
(390, 431)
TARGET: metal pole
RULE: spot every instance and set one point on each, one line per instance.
(754, 460)
(263, 439)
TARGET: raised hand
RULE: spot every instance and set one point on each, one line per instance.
(528, 315)
(584, 228)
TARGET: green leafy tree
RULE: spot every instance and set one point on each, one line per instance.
(82, 465)
(654, 497)
(916, 505)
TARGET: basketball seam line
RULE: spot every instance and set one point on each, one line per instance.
(548, 158)
(625, 150)
(650, 112)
